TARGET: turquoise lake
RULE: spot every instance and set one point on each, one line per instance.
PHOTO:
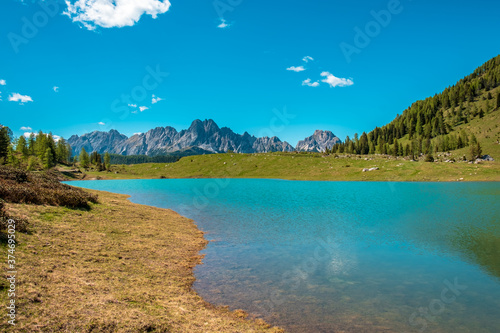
(342, 256)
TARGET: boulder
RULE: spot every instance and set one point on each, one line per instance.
(487, 158)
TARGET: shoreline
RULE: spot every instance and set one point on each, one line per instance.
(299, 180)
(118, 267)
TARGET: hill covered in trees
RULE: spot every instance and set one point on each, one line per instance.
(438, 123)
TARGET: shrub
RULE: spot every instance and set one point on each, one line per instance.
(18, 186)
(429, 158)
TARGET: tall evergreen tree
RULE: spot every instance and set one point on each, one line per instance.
(21, 146)
(475, 150)
(31, 144)
(107, 160)
(4, 144)
(396, 148)
(84, 159)
(48, 161)
(62, 151)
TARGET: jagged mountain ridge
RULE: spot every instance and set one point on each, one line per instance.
(318, 142)
(205, 135)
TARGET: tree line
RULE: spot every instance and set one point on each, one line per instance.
(40, 151)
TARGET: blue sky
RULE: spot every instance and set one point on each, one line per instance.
(247, 70)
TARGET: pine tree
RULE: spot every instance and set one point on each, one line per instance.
(32, 163)
(48, 161)
(95, 159)
(31, 144)
(498, 100)
(69, 152)
(61, 151)
(12, 157)
(460, 144)
(396, 148)
(481, 113)
(21, 146)
(4, 144)
(84, 159)
(107, 160)
(407, 150)
(475, 150)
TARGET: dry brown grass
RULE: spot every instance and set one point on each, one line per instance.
(119, 267)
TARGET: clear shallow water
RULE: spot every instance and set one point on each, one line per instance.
(342, 256)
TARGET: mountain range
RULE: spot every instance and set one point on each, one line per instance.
(205, 136)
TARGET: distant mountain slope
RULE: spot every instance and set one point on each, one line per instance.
(202, 136)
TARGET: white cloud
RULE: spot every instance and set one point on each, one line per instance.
(28, 134)
(143, 108)
(26, 128)
(223, 24)
(56, 89)
(308, 58)
(334, 81)
(296, 69)
(101, 123)
(2, 83)
(156, 99)
(113, 13)
(133, 105)
(309, 83)
(15, 97)
(138, 133)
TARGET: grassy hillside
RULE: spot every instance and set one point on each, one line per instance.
(486, 129)
(306, 167)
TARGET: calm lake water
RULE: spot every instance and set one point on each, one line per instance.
(342, 256)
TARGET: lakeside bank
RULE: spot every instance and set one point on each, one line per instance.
(118, 267)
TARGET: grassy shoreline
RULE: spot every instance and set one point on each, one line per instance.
(305, 167)
(118, 267)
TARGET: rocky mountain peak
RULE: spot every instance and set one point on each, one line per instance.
(318, 142)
